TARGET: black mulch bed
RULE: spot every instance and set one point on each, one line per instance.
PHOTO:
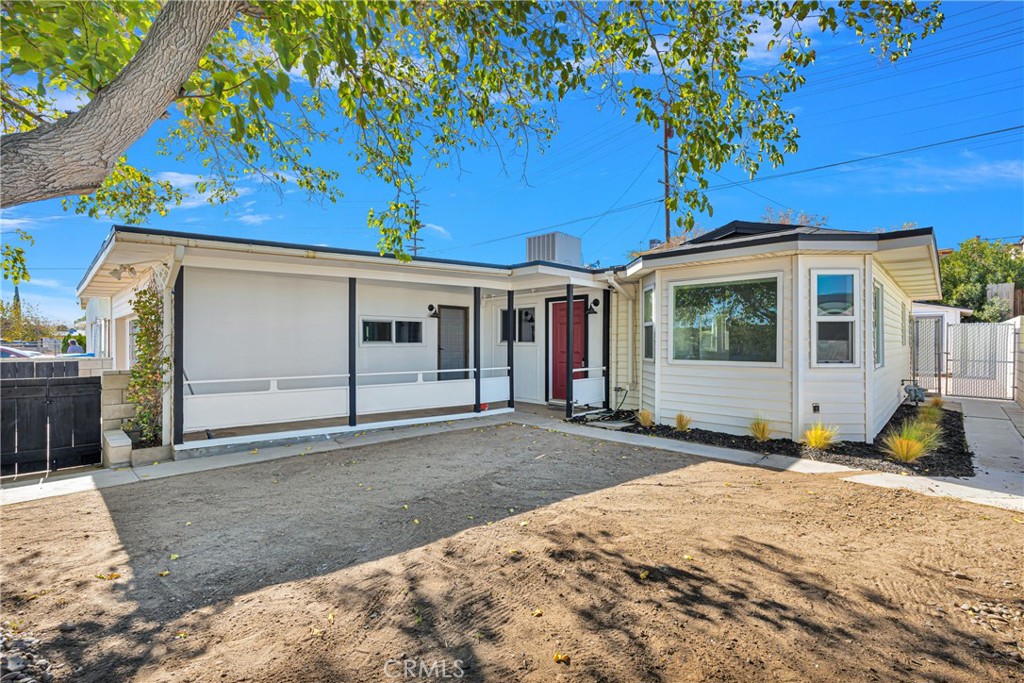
(952, 459)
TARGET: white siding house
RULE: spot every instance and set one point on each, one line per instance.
(792, 324)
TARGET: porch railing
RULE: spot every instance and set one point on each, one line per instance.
(268, 400)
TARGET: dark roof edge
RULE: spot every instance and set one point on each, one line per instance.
(792, 237)
(134, 230)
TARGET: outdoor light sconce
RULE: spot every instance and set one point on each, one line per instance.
(434, 313)
(118, 272)
(592, 308)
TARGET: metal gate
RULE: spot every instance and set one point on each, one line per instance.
(48, 423)
(981, 360)
(926, 353)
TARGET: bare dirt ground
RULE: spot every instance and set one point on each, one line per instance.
(489, 550)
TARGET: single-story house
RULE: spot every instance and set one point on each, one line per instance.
(790, 323)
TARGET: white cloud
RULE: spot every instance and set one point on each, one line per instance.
(440, 230)
(254, 218)
(48, 283)
(186, 183)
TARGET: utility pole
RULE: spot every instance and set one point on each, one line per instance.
(415, 248)
(667, 134)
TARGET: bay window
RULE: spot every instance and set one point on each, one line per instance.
(834, 314)
(735, 320)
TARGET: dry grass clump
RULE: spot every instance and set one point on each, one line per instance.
(821, 437)
(913, 439)
(682, 422)
(645, 418)
(929, 414)
(936, 402)
(760, 429)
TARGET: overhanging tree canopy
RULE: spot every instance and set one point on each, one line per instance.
(259, 85)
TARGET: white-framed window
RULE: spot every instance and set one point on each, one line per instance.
(727, 320)
(648, 313)
(835, 316)
(878, 323)
(526, 325)
(383, 331)
(904, 323)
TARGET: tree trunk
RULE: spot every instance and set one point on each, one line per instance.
(75, 154)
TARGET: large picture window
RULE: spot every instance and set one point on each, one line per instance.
(735, 321)
(834, 311)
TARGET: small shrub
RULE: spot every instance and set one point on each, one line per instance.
(645, 418)
(682, 422)
(912, 440)
(760, 429)
(930, 414)
(936, 402)
(820, 437)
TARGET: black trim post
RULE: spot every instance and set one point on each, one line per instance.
(513, 331)
(606, 354)
(570, 306)
(476, 347)
(178, 412)
(352, 352)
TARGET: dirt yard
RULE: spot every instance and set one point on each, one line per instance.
(484, 552)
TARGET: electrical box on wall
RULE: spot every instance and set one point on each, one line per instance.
(815, 408)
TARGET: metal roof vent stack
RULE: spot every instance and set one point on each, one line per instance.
(556, 247)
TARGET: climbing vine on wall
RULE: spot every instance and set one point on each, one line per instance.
(145, 389)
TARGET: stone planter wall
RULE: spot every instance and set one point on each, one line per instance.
(115, 406)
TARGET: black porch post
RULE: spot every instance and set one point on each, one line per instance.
(569, 311)
(476, 347)
(606, 325)
(178, 413)
(351, 352)
(510, 360)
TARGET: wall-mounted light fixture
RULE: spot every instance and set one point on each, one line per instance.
(592, 308)
(432, 310)
(118, 272)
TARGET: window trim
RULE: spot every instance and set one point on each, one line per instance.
(392, 321)
(780, 318)
(856, 318)
(644, 324)
(878, 333)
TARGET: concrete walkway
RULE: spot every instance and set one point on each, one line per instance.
(998, 461)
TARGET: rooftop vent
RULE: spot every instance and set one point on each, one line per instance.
(556, 247)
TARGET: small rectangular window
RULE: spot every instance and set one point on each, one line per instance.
(408, 332)
(376, 331)
(648, 312)
(878, 324)
(834, 311)
(526, 325)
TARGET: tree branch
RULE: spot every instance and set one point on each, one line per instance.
(74, 155)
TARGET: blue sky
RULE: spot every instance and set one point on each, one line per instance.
(966, 80)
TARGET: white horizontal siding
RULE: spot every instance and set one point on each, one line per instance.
(623, 333)
(724, 397)
(886, 389)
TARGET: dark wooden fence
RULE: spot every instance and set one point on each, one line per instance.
(49, 419)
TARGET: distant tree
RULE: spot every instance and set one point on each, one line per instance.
(21, 321)
(791, 217)
(975, 264)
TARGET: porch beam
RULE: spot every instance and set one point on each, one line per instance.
(476, 348)
(606, 326)
(510, 358)
(570, 305)
(178, 417)
(352, 352)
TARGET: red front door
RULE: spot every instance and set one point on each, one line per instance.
(558, 332)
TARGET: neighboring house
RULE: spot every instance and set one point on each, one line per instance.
(794, 324)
